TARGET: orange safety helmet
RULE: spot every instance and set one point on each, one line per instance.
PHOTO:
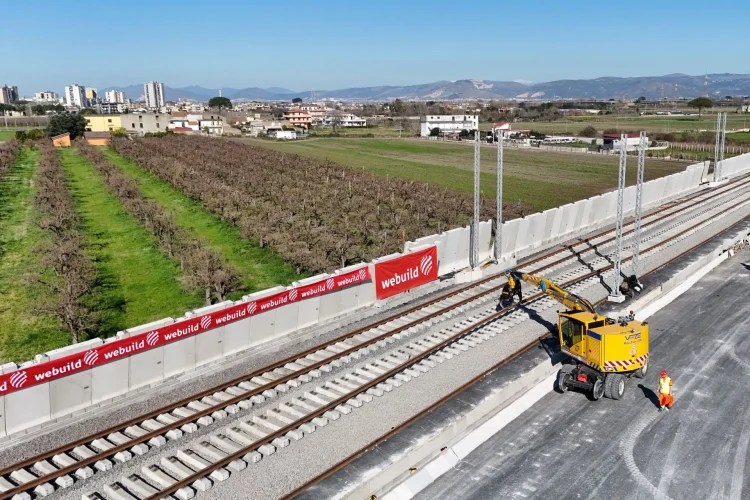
(664, 373)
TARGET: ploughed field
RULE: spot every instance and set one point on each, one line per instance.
(540, 179)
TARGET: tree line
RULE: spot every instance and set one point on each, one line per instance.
(203, 269)
(316, 214)
(67, 274)
(8, 152)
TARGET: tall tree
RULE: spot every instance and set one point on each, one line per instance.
(701, 103)
(296, 100)
(220, 102)
(73, 123)
(397, 107)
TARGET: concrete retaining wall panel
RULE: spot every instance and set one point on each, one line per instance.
(70, 393)
(236, 336)
(27, 408)
(349, 299)
(308, 308)
(586, 214)
(557, 222)
(262, 325)
(71, 349)
(286, 318)
(510, 236)
(453, 241)
(110, 380)
(145, 368)
(209, 344)
(329, 305)
(367, 290)
(538, 224)
(485, 241)
(524, 234)
(179, 356)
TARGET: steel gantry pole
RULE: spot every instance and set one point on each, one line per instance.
(499, 213)
(616, 296)
(638, 203)
(723, 142)
(475, 224)
(716, 147)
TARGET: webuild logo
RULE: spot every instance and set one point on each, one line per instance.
(233, 316)
(329, 284)
(293, 294)
(252, 307)
(318, 289)
(406, 272)
(91, 357)
(124, 350)
(16, 381)
(273, 303)
(152, 338)
(205, 322)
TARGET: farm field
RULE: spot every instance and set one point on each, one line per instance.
(22, 333)
(136, 282)
(259, 268)
(356, 131)
(630, 123)
(541, 179)
(7, 134)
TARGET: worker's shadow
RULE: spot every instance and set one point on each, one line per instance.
(650, 395)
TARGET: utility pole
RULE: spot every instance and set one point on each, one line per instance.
(475, 224)
(717, 146)
(638, 204)
(499, 213)
(616, 296)
(723, 141)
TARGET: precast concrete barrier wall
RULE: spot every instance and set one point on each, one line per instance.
(71, 379)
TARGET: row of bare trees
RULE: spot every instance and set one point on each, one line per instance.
(203, 269)
(67, 274)
(316, 214)
(8, 152)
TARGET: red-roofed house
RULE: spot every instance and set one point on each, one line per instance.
(296, 117)
(501, 128)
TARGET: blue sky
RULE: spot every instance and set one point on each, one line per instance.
(332, 44)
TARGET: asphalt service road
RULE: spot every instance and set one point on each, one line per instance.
(567, 447)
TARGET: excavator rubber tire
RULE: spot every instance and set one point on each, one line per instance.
(642, 371)
(598, 390)
(614, 386)
(562, 378)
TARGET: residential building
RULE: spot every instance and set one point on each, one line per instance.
(90, 93)
(110, 108)
(283, 134)
(75, 96)
(448, 124)
(343, 120)
(114, 96)
(154, 92)
(8, 94)
(46, 97)
(97, 138)
(298, 118)
(502, 128)
(106, 123)
(212, 124)
(143, 123)
(614, 141)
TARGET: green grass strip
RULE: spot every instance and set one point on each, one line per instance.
(22, 333)
(137, 282)
(259, 268)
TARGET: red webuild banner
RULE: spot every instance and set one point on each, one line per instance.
(406, 272)
(44, 372)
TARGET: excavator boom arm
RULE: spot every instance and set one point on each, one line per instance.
(569, 300)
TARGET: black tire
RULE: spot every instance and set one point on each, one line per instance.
(598, 390)
(642, 371)
(563, 376)
(614, 386)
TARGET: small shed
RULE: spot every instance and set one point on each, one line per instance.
(61, 141)
(97, 138)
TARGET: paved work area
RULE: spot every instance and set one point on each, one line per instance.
(568, 447)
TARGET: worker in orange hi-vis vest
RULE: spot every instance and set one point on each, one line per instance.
(666, 400)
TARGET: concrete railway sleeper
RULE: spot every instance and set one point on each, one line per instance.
(62, 467)
(233, 449)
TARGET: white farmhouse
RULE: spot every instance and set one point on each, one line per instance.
(448, 124)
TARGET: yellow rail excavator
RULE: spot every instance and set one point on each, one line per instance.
(606, 351)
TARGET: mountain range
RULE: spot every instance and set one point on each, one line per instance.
(652, 87)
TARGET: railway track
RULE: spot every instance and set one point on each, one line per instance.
(236, 444)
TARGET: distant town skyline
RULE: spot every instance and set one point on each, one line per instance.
(344, 44)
